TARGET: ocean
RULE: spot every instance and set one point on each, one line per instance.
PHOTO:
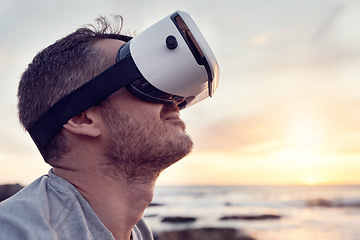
(296, 212)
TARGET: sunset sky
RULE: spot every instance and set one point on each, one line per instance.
(287, 107)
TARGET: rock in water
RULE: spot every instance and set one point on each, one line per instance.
(251, 217)
(178, 219)
(204, 234)
(8, 190)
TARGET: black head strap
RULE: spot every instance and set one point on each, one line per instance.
(90, 94)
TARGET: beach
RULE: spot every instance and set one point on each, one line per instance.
(257, 212)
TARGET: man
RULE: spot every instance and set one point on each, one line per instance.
(104, 161)
(105, 158)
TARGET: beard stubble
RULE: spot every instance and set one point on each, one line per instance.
(138, 150)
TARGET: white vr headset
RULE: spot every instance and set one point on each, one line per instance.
(170, 62)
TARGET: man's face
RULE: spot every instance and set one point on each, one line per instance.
(142, 138)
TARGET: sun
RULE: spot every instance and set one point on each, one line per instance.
(310, 180)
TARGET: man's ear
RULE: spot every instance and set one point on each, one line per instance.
(84, 124)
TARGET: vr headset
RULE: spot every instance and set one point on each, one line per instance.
(170, 62)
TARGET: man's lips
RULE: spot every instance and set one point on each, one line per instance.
(172, 116)
(169, 111)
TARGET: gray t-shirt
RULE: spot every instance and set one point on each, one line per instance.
(52, 208)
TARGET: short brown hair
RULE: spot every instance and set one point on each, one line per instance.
(58, 70)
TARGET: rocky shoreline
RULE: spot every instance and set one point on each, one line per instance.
(203, 233)
(209, 233)
(338, 203)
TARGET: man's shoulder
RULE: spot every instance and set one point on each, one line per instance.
(50, 208)
(42, 207)
(38, 194)
(29, 195)
(23, 213)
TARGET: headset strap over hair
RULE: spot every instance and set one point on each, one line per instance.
(86, 96)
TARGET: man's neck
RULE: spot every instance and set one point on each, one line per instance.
(118, 204)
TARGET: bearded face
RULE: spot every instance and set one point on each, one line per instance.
(144, 141)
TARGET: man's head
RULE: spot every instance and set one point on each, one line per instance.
(57, 71)
(74, 60)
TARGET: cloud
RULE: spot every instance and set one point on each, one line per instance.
(329, 21)
(8, 61)
(243, 134)
(262, 39)
(332, 125)
(339, 29)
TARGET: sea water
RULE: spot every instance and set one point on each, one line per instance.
(306, 212)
